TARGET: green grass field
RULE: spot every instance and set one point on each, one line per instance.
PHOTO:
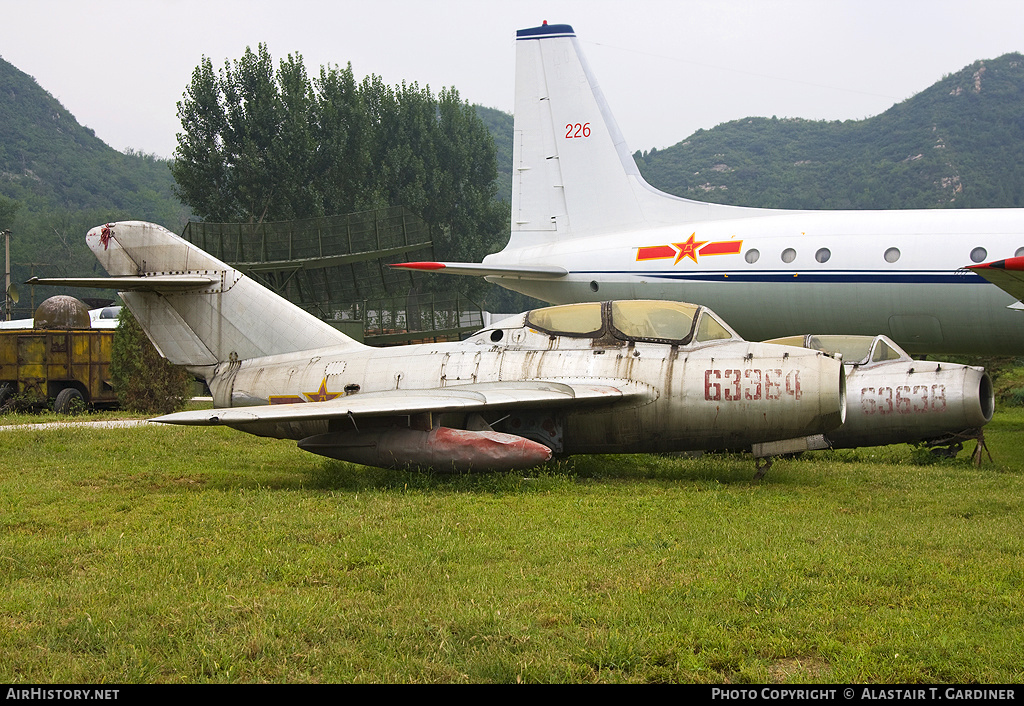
(161, 554)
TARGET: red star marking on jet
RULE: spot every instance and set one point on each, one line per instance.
(321, 395)
(688, 249)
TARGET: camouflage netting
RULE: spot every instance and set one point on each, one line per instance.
(335, 268)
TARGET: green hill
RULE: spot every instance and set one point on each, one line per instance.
(959, 143)
(49, 161)
(57, 180)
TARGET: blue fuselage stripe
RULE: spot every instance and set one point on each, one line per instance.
(799, 276)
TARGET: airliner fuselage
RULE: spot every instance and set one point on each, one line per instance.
(897, 273)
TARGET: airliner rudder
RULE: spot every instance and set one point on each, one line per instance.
(587, 227)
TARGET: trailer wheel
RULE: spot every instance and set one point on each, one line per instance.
(69, 401)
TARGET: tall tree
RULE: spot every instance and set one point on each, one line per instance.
(342, 131)
(200, 167)
(293, 153)
(253, 120)
(261, 145)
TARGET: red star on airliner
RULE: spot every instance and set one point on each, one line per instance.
(321, 395)
(688, 249)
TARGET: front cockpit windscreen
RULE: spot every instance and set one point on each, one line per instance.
(570, 319)
(711, 329)
(885, 352)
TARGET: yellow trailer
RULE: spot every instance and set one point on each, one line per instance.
(68, 366)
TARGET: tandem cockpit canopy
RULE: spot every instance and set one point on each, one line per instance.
(856, 350)
(641, 320)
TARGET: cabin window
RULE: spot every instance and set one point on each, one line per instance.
(979, 254)
(571, 319)
(788, 255)
(1019, 252)
(823, 255)
(672, 321)
(892, 254)
(753, 254)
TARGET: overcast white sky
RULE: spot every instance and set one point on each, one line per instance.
(667, 67)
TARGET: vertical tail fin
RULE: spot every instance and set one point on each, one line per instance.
(572, 172)
(225, 317)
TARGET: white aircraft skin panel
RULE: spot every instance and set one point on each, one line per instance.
(533, 197)
(172, 337)
(404, 402)
(621, 238)
(605, 184)
(578, 132)
(563, 129)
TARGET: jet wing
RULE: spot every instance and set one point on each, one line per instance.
(480, 270)
(151, 283)
(1006, 274)
(477, 397)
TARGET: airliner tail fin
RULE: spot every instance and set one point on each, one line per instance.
(573, 174)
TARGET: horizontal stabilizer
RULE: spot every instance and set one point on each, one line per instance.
(461, 398)
(1006, 274)
(151, 283)
(478, 270)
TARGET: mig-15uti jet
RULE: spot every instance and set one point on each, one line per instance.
(893, 399)
(601, 377)
(587, 227)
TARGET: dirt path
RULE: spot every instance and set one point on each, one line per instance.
(109, 424)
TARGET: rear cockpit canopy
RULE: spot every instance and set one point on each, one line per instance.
(855, 350)
(675, 323)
